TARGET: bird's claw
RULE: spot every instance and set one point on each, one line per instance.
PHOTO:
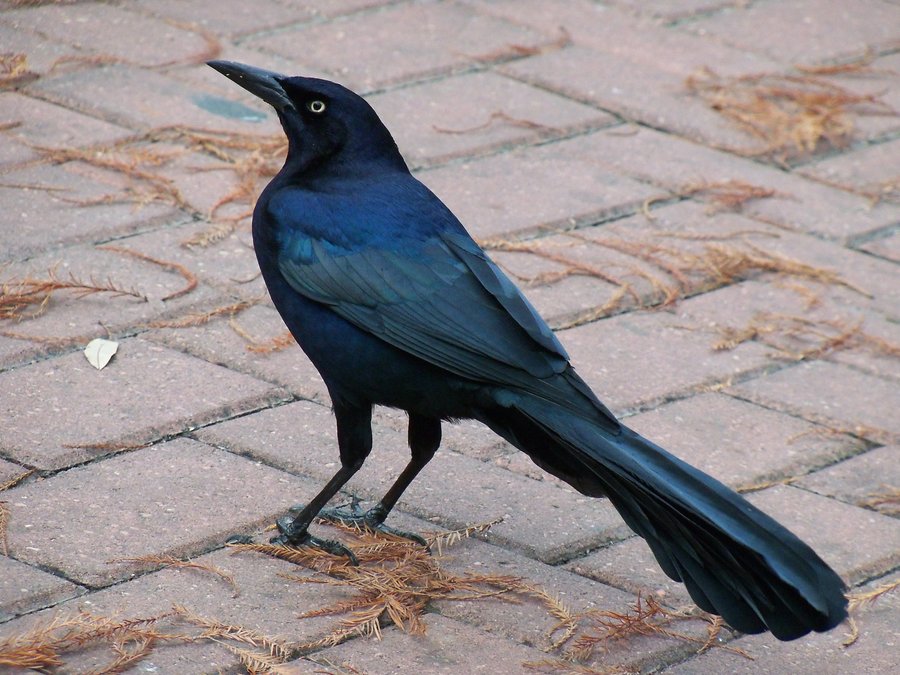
(290, 536)
(371, 520)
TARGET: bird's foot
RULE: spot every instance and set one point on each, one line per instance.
(295, 536)
(371, 520)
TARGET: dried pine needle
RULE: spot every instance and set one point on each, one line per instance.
(18, 295)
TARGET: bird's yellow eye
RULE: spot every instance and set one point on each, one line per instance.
(317, 107)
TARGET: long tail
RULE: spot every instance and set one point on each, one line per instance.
(735, 560)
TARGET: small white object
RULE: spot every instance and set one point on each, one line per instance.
(99, 351)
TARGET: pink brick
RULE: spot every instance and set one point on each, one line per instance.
(41, 54)
(678, 164)
(555, 186)
(872, 170)
(266, 602)
(401, 43)
(529, 623)
(630, 565)
(115, 93)
(635, 91)
(859, 544)
(218, 342)
(648, 357)
(819, 30)
(860, 479)
(738, 442)
(178, 498)
(126, 35)
(821, 653)
(477, 113)
(886, 246)
(24, 588)
(448, 647)
(38, 212)
(145, 393)
(68, 318)
(831, 394)
(44, 124)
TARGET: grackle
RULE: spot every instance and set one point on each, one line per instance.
(396, 305)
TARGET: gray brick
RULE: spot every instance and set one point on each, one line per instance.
(145, 393)
(178, 498)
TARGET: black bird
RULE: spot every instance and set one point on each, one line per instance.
(396, 305)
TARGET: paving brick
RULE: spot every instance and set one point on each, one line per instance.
(636, 40)
(218, 342)
(231, 17)
(674, 11)
(875, 651)
(555, 186)
(438, 651)
(831, 394)
(10, 471)
(875, 354)
(401, 43)
(819, 30)
(126, 35)
(630, 565)
(859, 544)
(178, 498)
(266, 602)
(648, 357)
(859, 479)
(740, 443)
(39, 215)
(678, 164)
(632, 90)
(41, 54)
(872, 170)
(68, 318)
(530, 623)
(887, 246)
(475, 113)
(47, 125)
(543, 520)
(145, 99)
(24, 589)
(145, 393)
(227, 264)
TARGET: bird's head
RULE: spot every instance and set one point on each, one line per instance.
(328, 126)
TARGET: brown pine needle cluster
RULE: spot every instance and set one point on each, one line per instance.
(788, 114)
(393, 582)
(671, 272)
(14, 70)
(595, 632)
(189, 277)
(202, 318)
(798, 338)
(47, 645)
(886, 500)
(29, 297)
(861, 600)
(177, 563)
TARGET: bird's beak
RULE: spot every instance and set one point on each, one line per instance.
(259, 82)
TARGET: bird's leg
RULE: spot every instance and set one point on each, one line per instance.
(354, 430)
(424, 439)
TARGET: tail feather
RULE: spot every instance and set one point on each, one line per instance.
(735, 560)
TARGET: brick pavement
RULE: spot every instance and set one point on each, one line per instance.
(734, 296)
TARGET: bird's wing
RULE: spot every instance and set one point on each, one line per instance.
(444, 301)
